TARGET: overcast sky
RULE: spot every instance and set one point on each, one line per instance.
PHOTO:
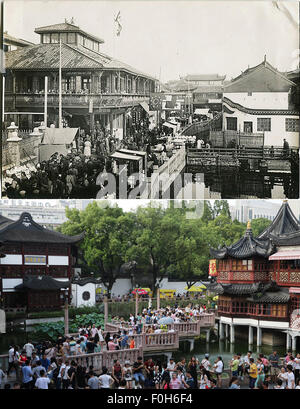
(174, 37)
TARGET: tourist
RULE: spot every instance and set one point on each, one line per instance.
(65, 377)
(234, 366)
(37, 369)
(274, 368)
(157, 375)
(252, 373)
(218, 369)
(137, 368)
(43, 381)
(205, 363)
(27, 375)
(127, 374)
(117, 372)
(234, 383)
(290, 377)
(297, 368)
(279, 384)
(192, 368)
(29, 348)
(175, 382)
(204, 382)
(105, 380)
(93, 382)
(260, 372)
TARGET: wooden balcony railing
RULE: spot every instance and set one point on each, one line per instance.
(77, 100)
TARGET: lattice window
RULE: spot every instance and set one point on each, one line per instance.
(284, 277)
(291, 125)
(263, 124)
(295, 277)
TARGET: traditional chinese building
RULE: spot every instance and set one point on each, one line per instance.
(38, 265)
(95, 87)
(258, 282)
(260, 102)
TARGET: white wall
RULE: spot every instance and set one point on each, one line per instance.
(15, 259)
(275, 136)
(9, 284)
(78, 290)
(58, 260)
(121, 287)
(260, 100)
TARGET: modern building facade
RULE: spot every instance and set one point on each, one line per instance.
(258, 281)
(38, 266)
(95, 86)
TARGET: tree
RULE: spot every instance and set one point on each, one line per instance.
(221, 207)
(154, 240)
(108, 236)
(208, 212)
(259, 225)
(190, 257)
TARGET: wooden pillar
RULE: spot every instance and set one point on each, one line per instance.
(136, 304)
(66, 316)
(105, 310)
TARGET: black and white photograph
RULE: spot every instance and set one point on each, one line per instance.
(179, 100)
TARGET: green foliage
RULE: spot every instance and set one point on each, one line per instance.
(259, 225)
(164, 242)
(89, 319)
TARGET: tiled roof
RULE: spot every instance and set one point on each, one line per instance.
(204, 77)
(10, 38)
(66, 27)
(27, 230)
(209, 88)
(252, 111)
(257, 289)
(246, 247)
(271, 297)
(284, 226)
(41, 283)
(261, 78)
(46, 56)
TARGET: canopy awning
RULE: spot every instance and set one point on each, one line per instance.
(170, 125)
(59, 136)
(286, 255)
(130, 151)
(124, 156)
(144, 105)
(202, 111)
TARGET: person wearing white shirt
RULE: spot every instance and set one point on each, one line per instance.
(290, 378)
(29, 348)
(43, 381)
(171, 366)
(297, 367)
(205, 363)
(283, 377)
(2, 376)
(105, 380)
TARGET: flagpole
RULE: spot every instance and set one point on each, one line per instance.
(59, 92)
(46, 101)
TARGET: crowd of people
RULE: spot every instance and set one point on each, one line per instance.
(54, 366)
(74, 174)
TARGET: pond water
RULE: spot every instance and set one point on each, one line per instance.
(231, 183)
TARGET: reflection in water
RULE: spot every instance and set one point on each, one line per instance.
(232, 184)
